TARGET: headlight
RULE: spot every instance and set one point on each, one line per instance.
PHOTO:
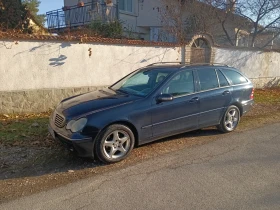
(76, 126)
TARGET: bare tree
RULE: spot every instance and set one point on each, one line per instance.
(224, 19)
(171, 15)
(186, 17)
(261, 17)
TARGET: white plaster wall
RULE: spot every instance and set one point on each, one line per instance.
(42, 65)
(254, 64)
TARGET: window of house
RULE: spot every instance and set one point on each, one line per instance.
(235, 77)
(126, 5)
(208, 79)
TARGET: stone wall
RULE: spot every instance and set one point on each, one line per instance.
(34, 101)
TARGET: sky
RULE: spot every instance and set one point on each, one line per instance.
(49, 5)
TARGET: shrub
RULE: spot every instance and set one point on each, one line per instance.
(106, 29)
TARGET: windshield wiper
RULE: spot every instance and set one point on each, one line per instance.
(122, 91)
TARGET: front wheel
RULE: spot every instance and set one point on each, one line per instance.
(114, 144)
(230, 120)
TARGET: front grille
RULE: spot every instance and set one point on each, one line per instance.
(59, 120)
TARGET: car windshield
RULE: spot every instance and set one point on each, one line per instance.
(142, 82)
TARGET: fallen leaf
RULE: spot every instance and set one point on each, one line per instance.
(35, 125)
(35, 142)
(16, 143)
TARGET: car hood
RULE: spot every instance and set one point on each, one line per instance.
(93, 102)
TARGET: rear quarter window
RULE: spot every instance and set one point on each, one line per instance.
(235, 77)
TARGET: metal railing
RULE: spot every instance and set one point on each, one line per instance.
(73, 16)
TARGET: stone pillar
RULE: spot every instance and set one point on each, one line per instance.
(188, 52)
(213, 54)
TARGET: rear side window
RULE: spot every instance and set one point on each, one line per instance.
(223, 81)
(235, 77)
(208, 79)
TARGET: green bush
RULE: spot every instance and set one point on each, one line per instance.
(105, 29)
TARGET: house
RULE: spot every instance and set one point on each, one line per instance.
(267, 40)
(144, 19)
(74, 14)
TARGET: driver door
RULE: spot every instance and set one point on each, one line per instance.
(180, 114)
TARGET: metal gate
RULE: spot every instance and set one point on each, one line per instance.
(200, 52)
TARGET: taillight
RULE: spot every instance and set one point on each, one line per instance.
(252, 94)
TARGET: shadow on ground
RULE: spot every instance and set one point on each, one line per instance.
(26, 161)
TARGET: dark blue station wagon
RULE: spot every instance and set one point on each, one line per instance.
(154, 102)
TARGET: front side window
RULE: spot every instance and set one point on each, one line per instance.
(234, 77)
(142, 82)
(208, 79)
(126, 5)
(180, 84)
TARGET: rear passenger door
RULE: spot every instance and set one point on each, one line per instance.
(215, 96)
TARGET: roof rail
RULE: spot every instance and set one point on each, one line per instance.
(204, 64)
(191, 64)
(158, 63)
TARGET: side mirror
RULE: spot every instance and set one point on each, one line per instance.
(164, 98)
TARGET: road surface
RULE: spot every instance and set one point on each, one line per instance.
(239, 171)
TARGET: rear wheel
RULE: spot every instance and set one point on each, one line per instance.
(114, 144)
(230, 120)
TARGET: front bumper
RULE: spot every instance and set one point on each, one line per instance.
(83, 145)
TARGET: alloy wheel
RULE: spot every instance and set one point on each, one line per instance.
(116, 144)
(231, 119)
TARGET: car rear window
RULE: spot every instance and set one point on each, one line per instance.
(235, 77)
(208, 79)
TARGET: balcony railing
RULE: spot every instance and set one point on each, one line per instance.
(73, 16)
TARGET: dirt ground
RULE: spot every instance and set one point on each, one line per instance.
(30, 161)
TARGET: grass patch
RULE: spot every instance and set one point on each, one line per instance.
(17, 131)
(267, 96)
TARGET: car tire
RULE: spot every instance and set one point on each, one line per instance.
(230, 119)
(114, 143)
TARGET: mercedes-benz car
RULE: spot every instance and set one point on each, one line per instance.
(151, 103)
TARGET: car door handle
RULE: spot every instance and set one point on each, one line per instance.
(226, 92)
(194, 100)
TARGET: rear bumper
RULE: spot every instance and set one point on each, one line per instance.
(247, 106)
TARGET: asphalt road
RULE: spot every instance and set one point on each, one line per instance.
(238, 171)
